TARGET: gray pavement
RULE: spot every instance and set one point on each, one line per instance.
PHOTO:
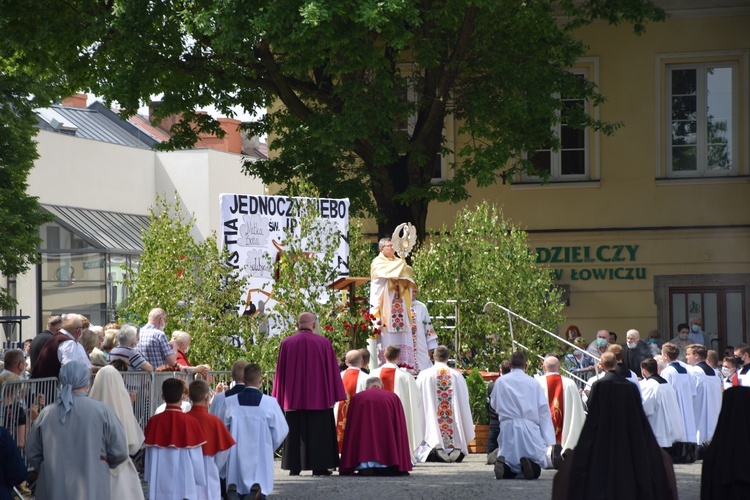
(471, 479)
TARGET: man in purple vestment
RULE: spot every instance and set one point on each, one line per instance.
(307, 385)
(376, 442)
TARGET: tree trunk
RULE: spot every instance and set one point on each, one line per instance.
(392, 212)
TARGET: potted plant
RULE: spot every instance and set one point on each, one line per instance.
(478, 404)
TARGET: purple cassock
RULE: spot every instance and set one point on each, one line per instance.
(375, 432)
(307, 373)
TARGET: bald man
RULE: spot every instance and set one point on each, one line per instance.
(307, 384)
(154, 344)
(565, 408)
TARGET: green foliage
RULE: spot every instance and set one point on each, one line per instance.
(20, 214)
(336, 77)
(305, 273)
(189, 280)
(478, 398)
(200, 294)
(484, 258)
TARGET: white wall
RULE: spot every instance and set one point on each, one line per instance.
(199, 176)
(97, 175)
(85, 173)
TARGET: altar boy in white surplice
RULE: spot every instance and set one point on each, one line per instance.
(445, 399)
(258, 426)
(174, 467)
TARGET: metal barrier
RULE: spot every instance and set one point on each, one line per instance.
(20, 404)
(22, 400)
(511, 315)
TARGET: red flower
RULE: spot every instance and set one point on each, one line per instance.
(328, 328)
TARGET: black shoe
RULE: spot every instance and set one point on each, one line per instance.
(322, 472)
(702, 450)
(500, 467)
(442, 455)
(232, 492)
(294, 472)
(255, 492)
(531, 470)
(557, 459)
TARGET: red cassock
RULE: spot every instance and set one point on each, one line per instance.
(375, 432)
(173, 429)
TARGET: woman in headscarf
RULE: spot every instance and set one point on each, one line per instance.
(75, 441)
(724, 473)
(109, 388)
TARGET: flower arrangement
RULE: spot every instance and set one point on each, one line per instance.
(353, 322)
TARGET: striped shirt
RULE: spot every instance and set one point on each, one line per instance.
(133, 357)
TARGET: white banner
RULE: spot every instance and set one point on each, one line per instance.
(253, 231)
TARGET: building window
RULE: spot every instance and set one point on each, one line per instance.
(572, 162)
(702, 119)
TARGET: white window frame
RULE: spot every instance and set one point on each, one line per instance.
(589, 68)
(741, 161)
(407, 71)
(702, 169)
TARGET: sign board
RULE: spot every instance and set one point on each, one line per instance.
(254, 228)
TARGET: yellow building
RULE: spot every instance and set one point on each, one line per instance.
(650, 227)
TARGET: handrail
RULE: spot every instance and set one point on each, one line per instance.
(489, 305)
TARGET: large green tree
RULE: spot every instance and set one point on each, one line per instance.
(20, 214)
(358, 91)
(190, 280)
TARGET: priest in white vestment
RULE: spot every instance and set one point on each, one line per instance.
(448, 428)
(258, 425)
(402, 383)
(568, 416)
(425, 340)
(391, 294)
(526, 429)
(707, 401)
(660, 405)
(684, 385)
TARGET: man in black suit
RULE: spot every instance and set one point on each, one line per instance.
(54, 323)
(635, 351)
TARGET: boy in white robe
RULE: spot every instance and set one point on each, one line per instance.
(174, 466)
(218, 439)
(660, 405)
(258, 425)
(707, 401)
(685, 387)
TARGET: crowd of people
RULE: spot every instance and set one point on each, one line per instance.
(666, 402)
(381, 423)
